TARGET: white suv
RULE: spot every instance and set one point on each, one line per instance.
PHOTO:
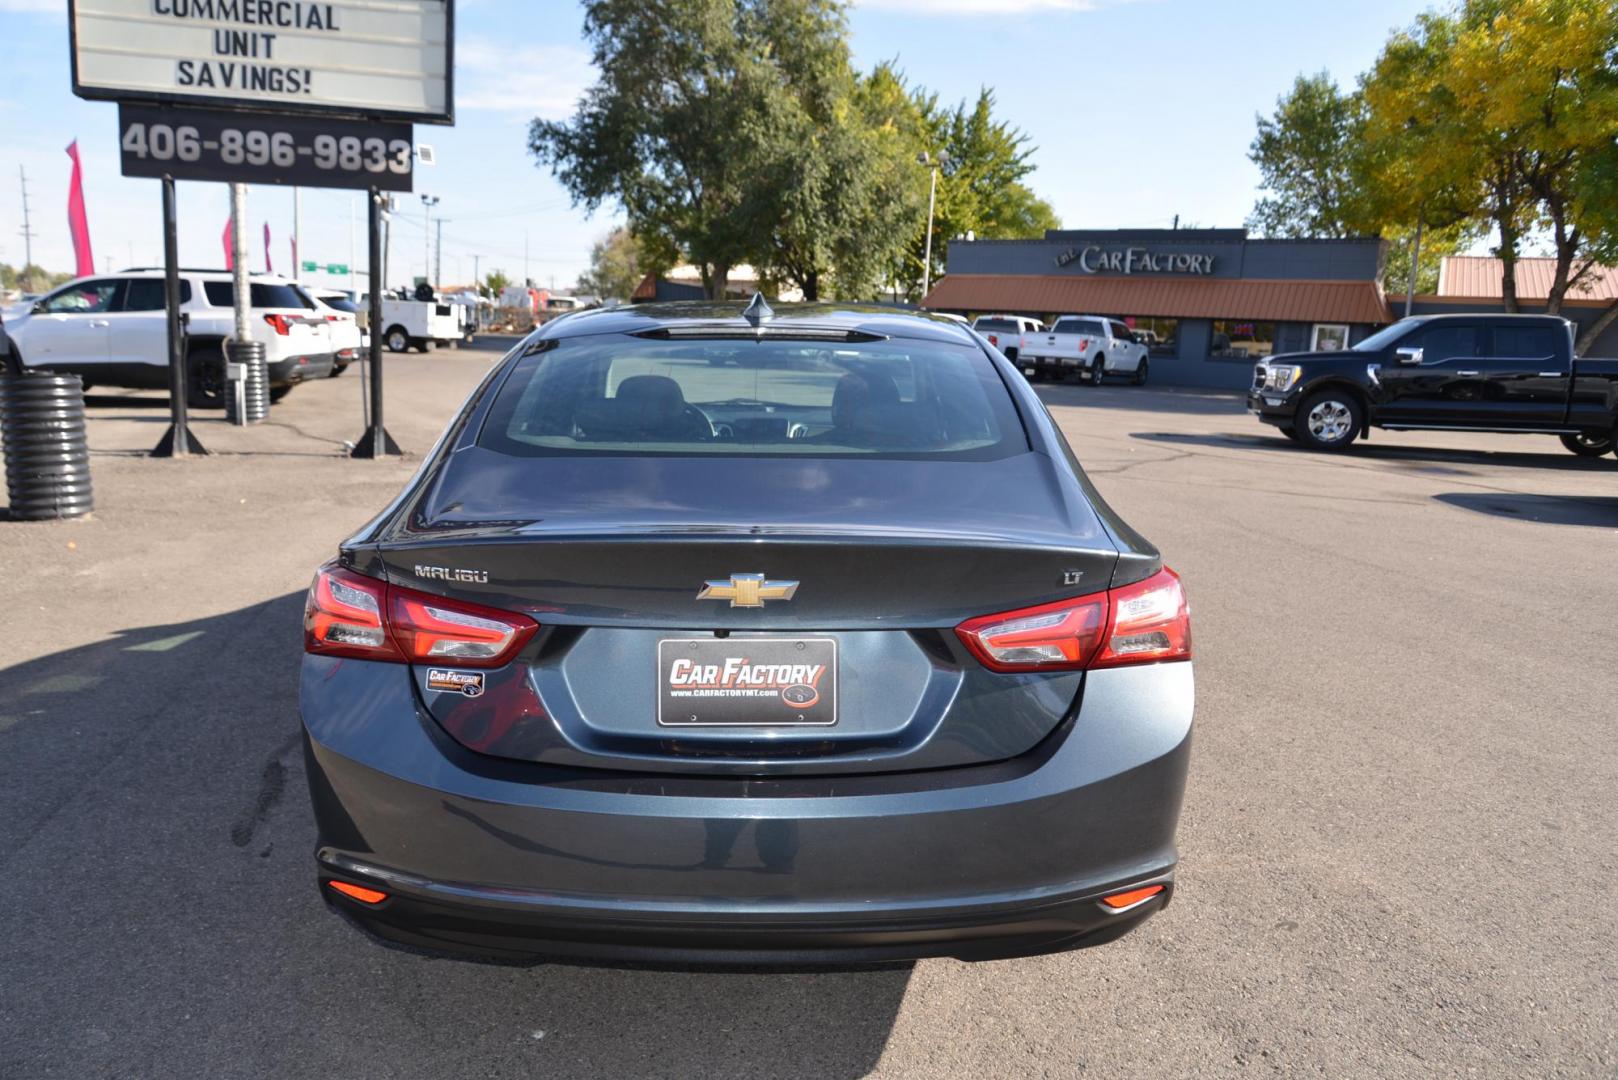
(342, 314)
(112, 330)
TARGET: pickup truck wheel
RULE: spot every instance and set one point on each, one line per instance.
(1329, 420)
(396, 339)
(205, 378)
(1590, 444)
(1140, 373)
(1093, 376)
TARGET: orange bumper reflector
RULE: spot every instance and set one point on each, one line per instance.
(1118, 901)
(360, 892)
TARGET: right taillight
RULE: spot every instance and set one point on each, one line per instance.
(349, 614)
(1144, 623)
(1149, 622)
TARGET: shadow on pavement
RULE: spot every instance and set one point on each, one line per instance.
(1419, 457)
(1600, 513)
(1143, 399)
(162, 915)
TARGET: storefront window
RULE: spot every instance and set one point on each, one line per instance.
(1237, 337)
(1159, 334)
(1328, 337)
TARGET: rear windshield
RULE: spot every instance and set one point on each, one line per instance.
(995, 324)
(259, 295)
(618, 394)
(339, 303)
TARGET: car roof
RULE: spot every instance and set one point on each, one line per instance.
(866, 318)
(184, 271)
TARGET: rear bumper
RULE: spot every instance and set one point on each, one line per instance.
(479, 856)
(1054, 367)
(295, 369)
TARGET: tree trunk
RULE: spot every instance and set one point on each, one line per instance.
(1587, 339)
(716, 276)
(811, 285)
(1508, 268)
(1567, 246)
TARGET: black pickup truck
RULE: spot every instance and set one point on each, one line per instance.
(1506, 373)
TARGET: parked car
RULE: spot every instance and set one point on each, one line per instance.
(347, 340)
(1008, 333)
(1503, 373)
(830, 654)
(112, 330)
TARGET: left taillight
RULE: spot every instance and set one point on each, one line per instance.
(281, 324)
(1145, 623)
(349, 614)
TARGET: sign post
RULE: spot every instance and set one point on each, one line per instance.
(177, 441)
(376, 442)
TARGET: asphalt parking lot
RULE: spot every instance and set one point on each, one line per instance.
(1398, 844)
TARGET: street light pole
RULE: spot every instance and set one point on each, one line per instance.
(428, 202)
(933, 163)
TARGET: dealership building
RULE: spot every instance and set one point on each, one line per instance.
(1212, 300)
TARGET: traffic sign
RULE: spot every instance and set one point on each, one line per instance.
(310, 267)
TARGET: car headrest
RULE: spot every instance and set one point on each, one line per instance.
(858, 394)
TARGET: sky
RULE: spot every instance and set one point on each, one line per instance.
(1140, 110)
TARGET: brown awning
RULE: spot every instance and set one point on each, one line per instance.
(1176, 298)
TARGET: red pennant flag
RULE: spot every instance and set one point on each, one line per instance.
(268, 269)
(230, 254)
(78, 222)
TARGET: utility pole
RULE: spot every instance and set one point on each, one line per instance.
(27, 230)
(350, 245)
(427, 202)
(297, 232)
(526, 280)
(477, 278)
(438, 258)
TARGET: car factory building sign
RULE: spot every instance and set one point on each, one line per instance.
(1094, 259)
(380, 58)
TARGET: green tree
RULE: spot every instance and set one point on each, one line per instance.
(1306, 155)
(671, 130)
(980, 189)
(495, 283)
(841, 192)
(616, 266)
(1499, 111)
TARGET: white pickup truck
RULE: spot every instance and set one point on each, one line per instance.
(1092, 346)
(1008, 333)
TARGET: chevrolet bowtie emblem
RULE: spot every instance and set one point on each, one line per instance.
(747, 590)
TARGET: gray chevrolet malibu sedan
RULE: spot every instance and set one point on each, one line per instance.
(723, 635)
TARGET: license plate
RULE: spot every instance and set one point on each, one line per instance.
(747, 682)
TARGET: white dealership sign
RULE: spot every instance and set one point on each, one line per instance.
(377, 58)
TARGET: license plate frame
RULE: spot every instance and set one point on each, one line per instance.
(732, 692)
